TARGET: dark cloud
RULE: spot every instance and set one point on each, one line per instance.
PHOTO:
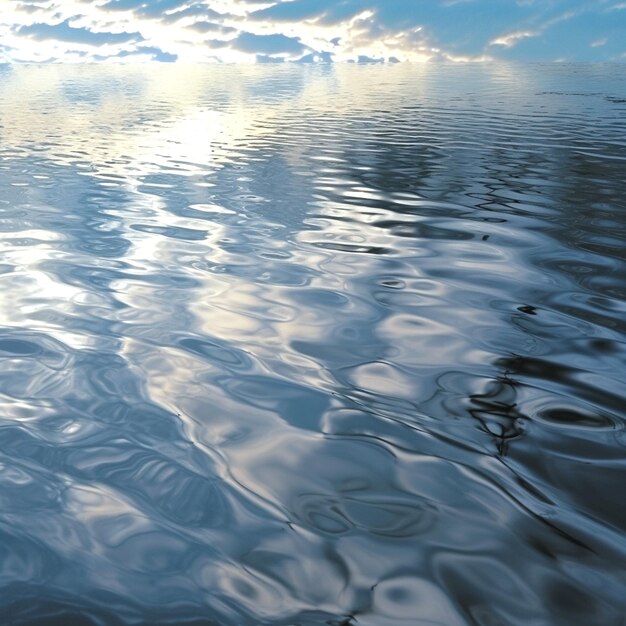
(71, 34)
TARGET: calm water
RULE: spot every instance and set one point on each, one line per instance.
(308, 346)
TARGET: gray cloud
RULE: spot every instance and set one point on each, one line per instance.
(212, 27)
(268, 44)
(71, 34)
(28, 7)
(156, 53)
(200, 11)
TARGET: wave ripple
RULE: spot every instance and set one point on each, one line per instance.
(312, 345)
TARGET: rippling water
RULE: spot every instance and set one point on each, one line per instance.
(309, 346)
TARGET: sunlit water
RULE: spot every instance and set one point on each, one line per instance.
(310, 346)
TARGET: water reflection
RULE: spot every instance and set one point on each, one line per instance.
(312, 345)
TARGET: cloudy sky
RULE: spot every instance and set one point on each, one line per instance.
(311, 30)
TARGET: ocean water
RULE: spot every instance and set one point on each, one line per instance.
(313, 345)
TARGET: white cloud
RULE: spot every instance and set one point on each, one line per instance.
(511, 39)
(249, 30)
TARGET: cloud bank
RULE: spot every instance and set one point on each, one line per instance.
(311, 30)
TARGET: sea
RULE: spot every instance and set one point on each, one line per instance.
(313, 345)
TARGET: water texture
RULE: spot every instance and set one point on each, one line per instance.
(307, 346)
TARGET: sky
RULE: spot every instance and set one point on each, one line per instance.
(306, 31)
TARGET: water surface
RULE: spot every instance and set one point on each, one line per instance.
(306, 346)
